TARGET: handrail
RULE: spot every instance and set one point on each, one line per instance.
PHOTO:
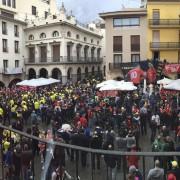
(90, 150)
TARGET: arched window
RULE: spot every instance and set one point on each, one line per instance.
(92, 41)
(85, 39)
(55, 34)
(42, 35)
(68, 34)
(97, 42)
(77, 36)
(31, 37)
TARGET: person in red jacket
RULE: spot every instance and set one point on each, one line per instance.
(83, 121)
(133, 160)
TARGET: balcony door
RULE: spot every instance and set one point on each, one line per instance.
(85, 53)
(156, 16)
(43, 53)
(56, 53)
(31, 54)
(78, 52)
(69, 52)
(156, 36)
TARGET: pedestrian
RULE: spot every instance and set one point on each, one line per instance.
(156, 172)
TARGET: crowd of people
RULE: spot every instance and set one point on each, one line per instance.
(96, 121)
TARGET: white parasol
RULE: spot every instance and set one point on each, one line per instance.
(165, 81)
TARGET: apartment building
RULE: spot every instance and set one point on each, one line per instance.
(163, 30)
(62, 48)
(125, 39)
(38, 40)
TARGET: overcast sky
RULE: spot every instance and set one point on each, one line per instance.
(87, 10)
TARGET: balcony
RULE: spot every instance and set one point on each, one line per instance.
(123, 65)
(12, 71)
(164, 45)
(164, 23)
(63, 60)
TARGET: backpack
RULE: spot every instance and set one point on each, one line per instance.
(138, 175)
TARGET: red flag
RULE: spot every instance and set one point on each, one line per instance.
(136, 75)
(151, 75)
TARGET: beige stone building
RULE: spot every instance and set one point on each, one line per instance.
(125, 40)
(62, 48)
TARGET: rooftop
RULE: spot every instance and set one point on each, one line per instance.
(125, 11)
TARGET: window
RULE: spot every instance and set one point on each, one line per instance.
(68, 34)
(42, 35)
(117, 43)
(117, 58)
(97, 42)
(4, 28)
(14, 3)
(120, 22)
(16, 32)
(16, 63)
(9, 3)
(34, 10)
(55, 34)
(85, 39)
(31, 37)
(45, 14)
(5, 48)
(4, 2)
(135, 43)
(77, 36)
(5, 64)
(156, 16)
(16, 46)
(92, 40)
(135, 57)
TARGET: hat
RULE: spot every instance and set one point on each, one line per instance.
(132, 169)
(174, 164)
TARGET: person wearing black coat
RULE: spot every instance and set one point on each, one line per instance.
(96, 143)
(111, 162)
(84, 142)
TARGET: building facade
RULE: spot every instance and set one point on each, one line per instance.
(163, 30)
(125, 39)
(40, 41)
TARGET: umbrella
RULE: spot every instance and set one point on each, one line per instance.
(106, 83)
(120, 86)
(174, 85)
(165, 81)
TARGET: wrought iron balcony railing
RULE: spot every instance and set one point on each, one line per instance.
(122, 65)
(63, 60)
(164, 22)
(165, 45)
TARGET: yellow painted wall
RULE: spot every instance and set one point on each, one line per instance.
(171, 56)
(169, 10)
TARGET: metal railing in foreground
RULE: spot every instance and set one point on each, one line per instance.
(95, 152)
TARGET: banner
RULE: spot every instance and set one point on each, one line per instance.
(172, 68)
